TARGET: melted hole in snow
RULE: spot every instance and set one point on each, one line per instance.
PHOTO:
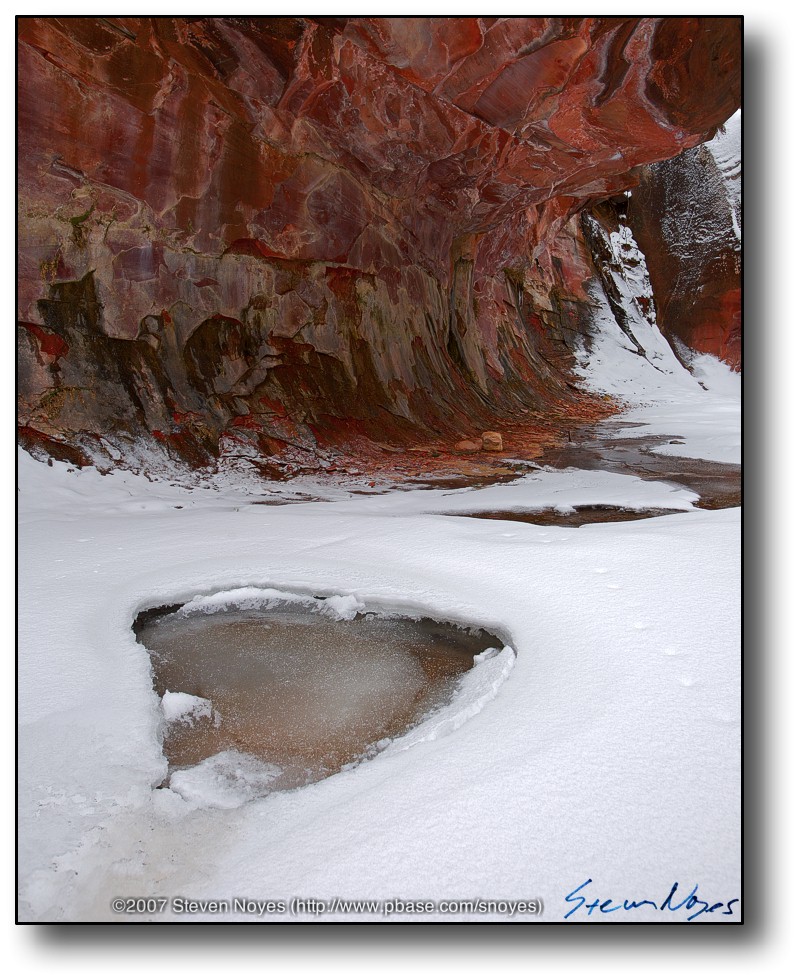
(257, 700)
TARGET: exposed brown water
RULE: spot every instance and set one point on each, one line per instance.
(300, 691)
(580, 516)
(467, 481)
(718, 484)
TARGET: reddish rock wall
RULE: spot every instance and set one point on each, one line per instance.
(282, 229)
(686, 216)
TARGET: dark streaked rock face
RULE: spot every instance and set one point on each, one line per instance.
(686, 216)
(278, 230)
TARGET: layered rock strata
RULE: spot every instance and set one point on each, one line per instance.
(248, 233)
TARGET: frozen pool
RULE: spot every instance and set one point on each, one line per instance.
(285, 695)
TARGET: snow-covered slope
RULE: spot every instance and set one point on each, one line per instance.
(693, 399)
(726, 148)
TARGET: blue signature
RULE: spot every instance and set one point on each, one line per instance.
(691, 903)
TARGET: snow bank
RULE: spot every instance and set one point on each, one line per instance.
(475, 689)
(338, 607)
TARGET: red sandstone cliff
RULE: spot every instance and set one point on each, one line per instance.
(686, 216)
(272, 231)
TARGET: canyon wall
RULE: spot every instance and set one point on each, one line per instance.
(687, 217)
(243, 234)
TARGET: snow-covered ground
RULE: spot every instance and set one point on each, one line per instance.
(602, 745)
